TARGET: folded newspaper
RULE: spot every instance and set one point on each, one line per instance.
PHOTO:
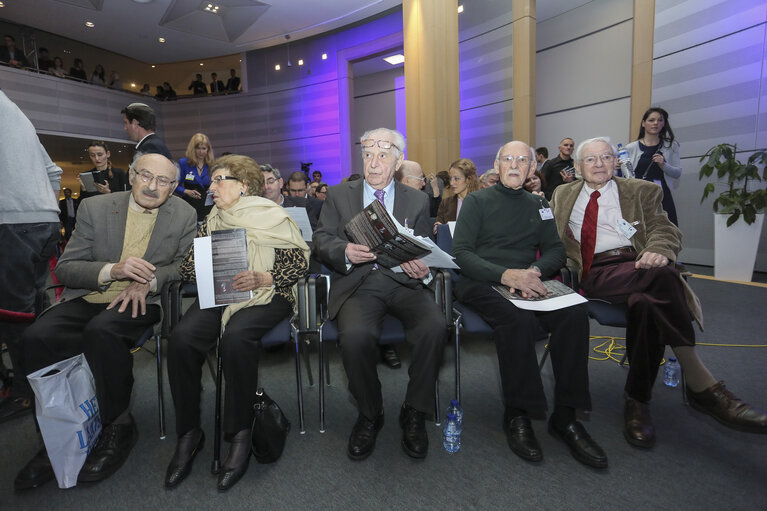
(558, 297)
(390, 242)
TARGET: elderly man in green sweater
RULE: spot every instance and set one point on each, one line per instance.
(497, 237)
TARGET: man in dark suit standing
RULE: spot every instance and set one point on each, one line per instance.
(140, 122)
(362, 292)
(126, 246)
(68, 207)
(216, 85)
(233, 84)
(11, 55)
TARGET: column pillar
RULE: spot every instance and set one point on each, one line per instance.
(523, 77)
(431, 82)
(641, 63)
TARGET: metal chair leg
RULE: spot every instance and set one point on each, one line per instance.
(215, 467)
(321, 376)
(457, 330)
(437, 415)
(160, 390)
(299, 384)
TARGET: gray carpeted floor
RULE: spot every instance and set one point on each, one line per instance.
(696, 463)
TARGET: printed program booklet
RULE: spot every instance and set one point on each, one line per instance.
(217, 259)
(558, 297)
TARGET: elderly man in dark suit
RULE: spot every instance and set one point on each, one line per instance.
(362, 292)
(125, 247)
(623, 245)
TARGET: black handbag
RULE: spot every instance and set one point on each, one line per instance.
(270, 429)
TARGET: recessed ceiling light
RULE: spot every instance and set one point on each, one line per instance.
(153, 66)
(210, 7)
(89, 24)
(132, 84)
(300, 62)
(2, 4)
(160, 39)
(460, 9)
(395, 59)
(277, 67)
(324, 56)
(202, 63)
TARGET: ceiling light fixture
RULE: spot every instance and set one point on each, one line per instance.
(90, 24)
(202, 63)
(300, 62)
(153, 66)
(132, 84)
(460, 9)
(277, 67)
(210, 7)
(395, 59)
(324, 56)
(2, 4)
(160, 39)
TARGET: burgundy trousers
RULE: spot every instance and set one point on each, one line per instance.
(658, 314)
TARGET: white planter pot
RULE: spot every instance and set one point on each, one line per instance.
(735, 248)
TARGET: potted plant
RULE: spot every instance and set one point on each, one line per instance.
(738, 210)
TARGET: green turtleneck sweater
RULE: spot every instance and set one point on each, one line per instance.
(500, 228)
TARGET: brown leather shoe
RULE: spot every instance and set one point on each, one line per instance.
(637, 424)
(725, 407)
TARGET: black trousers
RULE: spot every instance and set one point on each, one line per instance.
(516, 331)
(104, 336)
(359, 329)
(657, 314)
(192, 340)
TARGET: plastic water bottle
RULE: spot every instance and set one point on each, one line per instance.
(451, 438)
(627, 169)
(455, 409)
(671, 373)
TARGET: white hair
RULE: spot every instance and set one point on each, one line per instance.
(529, 147)
(578, 156)
(399, 140)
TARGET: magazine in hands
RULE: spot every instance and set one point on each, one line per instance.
(558, 297)
(218, 258)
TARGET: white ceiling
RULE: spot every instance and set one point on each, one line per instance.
(132, 27)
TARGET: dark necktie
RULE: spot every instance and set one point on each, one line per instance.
(589, 233)
(380, 194)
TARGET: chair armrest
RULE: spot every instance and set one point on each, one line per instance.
(570, 277)
(443, 293)
(170, 302)
(313, 293)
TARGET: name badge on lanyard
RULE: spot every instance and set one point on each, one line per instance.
(190, 176)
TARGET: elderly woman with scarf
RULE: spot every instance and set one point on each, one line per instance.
(277, 257)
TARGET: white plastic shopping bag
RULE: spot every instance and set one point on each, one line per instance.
(68, 414)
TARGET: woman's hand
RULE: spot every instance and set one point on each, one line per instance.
(194, 194)
(252, 280)
(435, 226)
(103, 188)
(658, 159)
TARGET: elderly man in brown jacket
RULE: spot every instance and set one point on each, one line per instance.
(624, 247)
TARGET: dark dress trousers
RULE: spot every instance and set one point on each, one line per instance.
(75, 326)
(361, 295)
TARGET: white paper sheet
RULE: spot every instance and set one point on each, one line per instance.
(203, 268)
(302, 220)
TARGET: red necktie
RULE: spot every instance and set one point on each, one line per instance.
(589, 233)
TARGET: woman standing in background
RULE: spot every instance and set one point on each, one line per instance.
(655, 155)
(106, 178)
(194, 178)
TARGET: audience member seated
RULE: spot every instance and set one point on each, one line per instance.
(233, 83)
(362, 292)
(11, 55)
(313, 188)
(197, 86)
(542, 156)
(44, 62)
(145, 90)
(216, 85)
(463, 181)
(489, 178)
(194, 174)
(411, 174)
(58, 68)
(535, 184)
(125, 247)
(106, 178)
(98, 78)
(277, 257)
(78, 71)
(560, 169)
(635, 265)
(316, 176)
(497, 237)
(322, 191)
(114, 81)
(273, 184)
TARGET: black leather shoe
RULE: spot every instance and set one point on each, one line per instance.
(237, 461)
(110, 452)
(725, 407)
(415, 441)
(362, 441)
(390, 357)
(13, 407)
(187, 448)
(581, 445)
(521, 438)
(637, 424)
(38, 471)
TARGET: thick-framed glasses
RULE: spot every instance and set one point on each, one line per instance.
(382, 144)
(217, 180)
(147, 177)
(607, 158)
(522, 161)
